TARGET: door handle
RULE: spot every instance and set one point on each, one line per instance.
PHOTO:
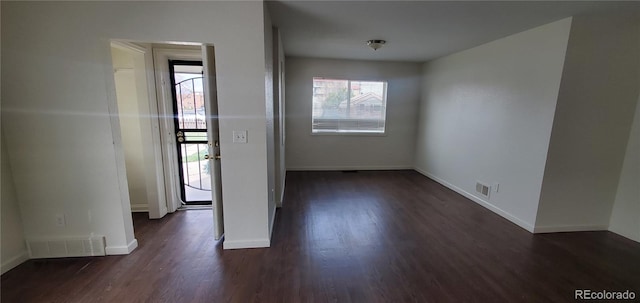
(217, 157)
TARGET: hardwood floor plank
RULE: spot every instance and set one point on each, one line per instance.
(392, 236)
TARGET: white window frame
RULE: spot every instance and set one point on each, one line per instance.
(351, 132)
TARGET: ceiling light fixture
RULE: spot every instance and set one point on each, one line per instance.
(376, 44)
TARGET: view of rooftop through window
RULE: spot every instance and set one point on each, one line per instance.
(348, 106)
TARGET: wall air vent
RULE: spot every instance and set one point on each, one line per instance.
(483, 189)
(91, 245)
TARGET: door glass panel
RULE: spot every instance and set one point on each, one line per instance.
(191, 131)
(190, 97)
(195, 136)
(195, 172)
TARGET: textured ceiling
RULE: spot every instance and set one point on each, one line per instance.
(414, 30)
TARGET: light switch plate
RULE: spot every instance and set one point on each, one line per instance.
(239, 136)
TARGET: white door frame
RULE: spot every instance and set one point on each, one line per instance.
(154, 171)
(161, 57)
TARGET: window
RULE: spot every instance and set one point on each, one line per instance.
(346, 106)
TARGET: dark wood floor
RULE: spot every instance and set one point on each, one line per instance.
(344, 237)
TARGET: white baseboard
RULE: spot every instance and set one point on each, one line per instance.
(625, 233)
(483, 203)
(239, 244)
(283, 182)
(14, 261)
(333, 168)
(273, 222)
(568, 228)
(139, 208)
(122, 250)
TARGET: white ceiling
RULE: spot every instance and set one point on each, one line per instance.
(414, 30)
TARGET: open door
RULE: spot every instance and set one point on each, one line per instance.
(213, 136)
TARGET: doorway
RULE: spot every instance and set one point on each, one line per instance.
(189, 123)
(167, 129)
(138, 129)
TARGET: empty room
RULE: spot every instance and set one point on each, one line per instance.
(320, 151)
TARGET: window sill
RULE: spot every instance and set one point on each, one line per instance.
(348, 133)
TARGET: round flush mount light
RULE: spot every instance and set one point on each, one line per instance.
(376, 44)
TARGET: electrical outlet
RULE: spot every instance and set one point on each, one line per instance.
(495, 187)
(60, 221)
(239, 136)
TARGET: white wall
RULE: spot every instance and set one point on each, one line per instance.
(269, 109)
(58, 85)
(593, 116)
(278, 119)
(130, 127)
(394, 150)
(486, 115)
(14, 250)
(625, 217)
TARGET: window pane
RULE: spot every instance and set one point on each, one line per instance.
(328, 96)
(348, 106)
(367, 101)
